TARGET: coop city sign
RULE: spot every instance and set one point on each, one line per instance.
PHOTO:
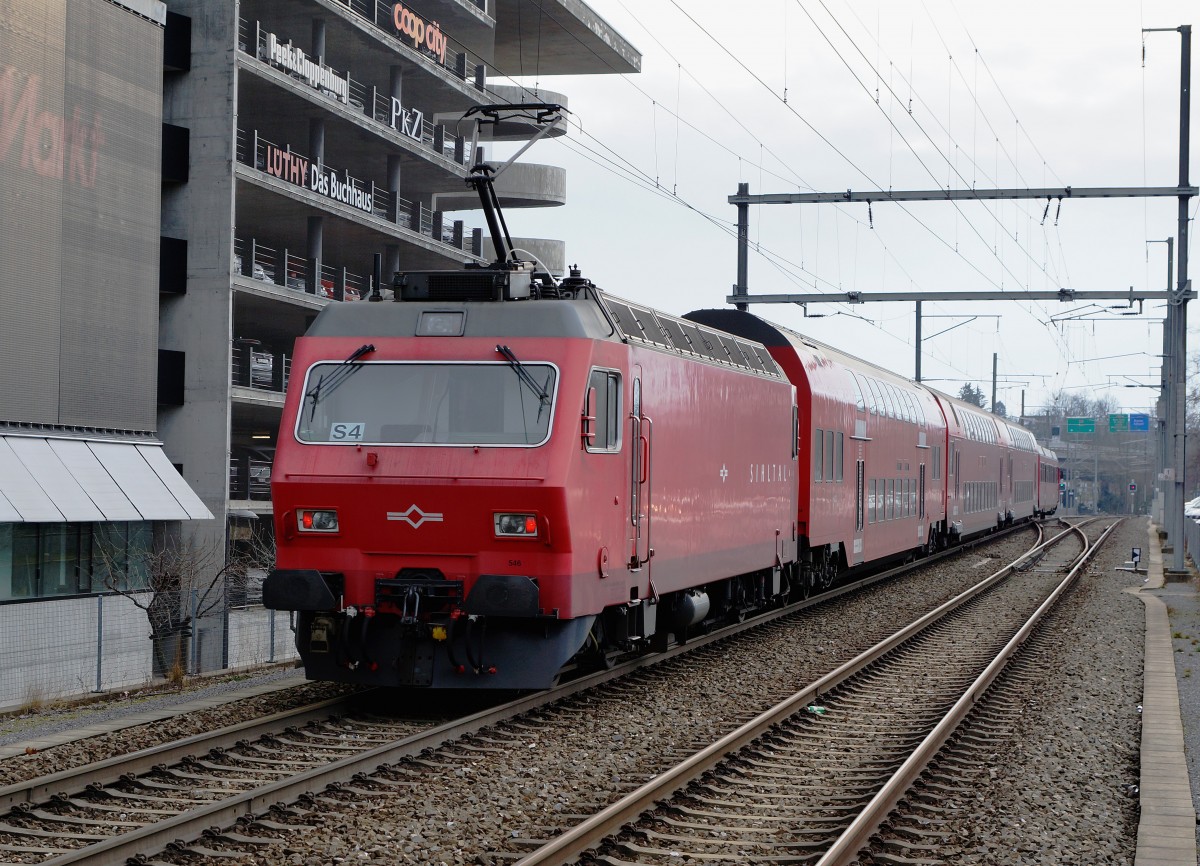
(424, 34)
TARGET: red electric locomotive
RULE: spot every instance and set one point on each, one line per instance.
(470, 493)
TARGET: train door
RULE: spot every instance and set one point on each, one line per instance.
(860, 512)
(921, 495)
(640, 480)
(952, 468)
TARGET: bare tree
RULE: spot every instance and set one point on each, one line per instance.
(179, 581)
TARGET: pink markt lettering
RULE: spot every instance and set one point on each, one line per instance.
(50, 144)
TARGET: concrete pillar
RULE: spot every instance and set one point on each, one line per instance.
(316, 251)
(393, 184)
(318, 40)
(391, 264)
(316, 140)
(395, 79)
(316, 237)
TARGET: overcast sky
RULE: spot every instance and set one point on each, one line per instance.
(828, 95)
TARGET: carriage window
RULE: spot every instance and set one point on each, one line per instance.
(876, 401)
(829, 456)
(858, 393)
(383, 403)
(606, 386)
(818, 454)
(837, 457)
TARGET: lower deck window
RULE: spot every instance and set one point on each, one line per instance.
(44, 560)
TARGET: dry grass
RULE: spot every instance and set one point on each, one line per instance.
(177, 675)
(35, 702)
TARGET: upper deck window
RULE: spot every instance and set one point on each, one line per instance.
(391, 403)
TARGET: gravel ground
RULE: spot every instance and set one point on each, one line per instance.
(68, 715)
(112, 710)
(463, 803)
(1055, 796)
(1057, 790)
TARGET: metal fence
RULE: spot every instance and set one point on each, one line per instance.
(61, 648)
(1191, 537)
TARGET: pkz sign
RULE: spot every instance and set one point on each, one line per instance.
(424, 34)
(407, 121)
(293, 60)
(293, 168)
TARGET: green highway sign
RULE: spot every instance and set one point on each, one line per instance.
(1118, 423)
(1081, 425)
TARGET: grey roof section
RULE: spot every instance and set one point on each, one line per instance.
(94, 479)
(55, 479)
(558, 37)
(8, 514)
(21, 489)
(174, 482)
(539, 318)
(72, 480)
(138, 481)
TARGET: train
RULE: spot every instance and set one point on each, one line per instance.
(489, 480)
(494, 478)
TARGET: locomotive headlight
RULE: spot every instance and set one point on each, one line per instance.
(314, 520)
(519, 525)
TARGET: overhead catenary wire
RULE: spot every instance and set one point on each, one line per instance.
(1053, 245)
(631, 172)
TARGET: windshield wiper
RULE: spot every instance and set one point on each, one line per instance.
(326, 386)
(523, 374)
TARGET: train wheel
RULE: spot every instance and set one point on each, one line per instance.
(804, 583)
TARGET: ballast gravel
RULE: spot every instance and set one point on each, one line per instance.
(1058, 794)
(1062, 788)
(17, 728)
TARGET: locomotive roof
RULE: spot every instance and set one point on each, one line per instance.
(560, 318)
(590, 315)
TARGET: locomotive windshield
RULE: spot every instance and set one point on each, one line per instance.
(429, 404)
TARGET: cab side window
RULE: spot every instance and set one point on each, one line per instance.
(604, 396)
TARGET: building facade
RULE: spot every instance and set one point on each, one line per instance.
(319, 134)
(303, 139)
(85, 484)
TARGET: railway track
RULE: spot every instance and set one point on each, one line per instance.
(812, 779)
(119, 809)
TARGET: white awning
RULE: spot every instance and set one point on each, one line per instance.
(60, 480)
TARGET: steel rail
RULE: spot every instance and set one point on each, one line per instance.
(112, 769)
(588, 834)
(859, 833)
(117, 850)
